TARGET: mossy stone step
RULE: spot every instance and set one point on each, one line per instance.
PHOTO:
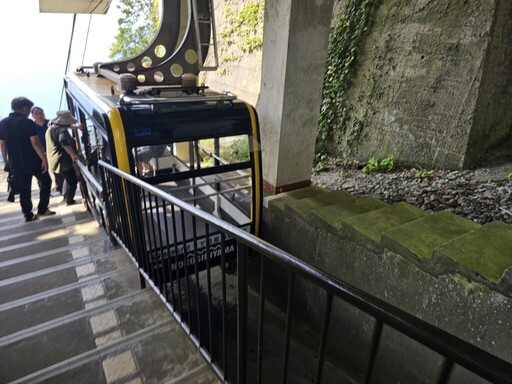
(418, 240)
(367, 228)
(333, 216)
(280, 201)
(484, 253)
(305, 206)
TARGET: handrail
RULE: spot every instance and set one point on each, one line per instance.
(88, 175)
(452, 348)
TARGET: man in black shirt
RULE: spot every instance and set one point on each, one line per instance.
(23, 154)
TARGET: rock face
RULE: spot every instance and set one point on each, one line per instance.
(431, 83)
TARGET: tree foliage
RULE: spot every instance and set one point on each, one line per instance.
(138, 26)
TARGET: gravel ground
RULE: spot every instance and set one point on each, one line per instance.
(482, 194)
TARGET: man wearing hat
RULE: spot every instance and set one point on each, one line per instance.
(23, 154)
(60, 149)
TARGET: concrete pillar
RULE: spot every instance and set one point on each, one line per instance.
(295, 39)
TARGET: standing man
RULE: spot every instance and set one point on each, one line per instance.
(23, 154)
(42, 126)
(60, 147)
(41, 123)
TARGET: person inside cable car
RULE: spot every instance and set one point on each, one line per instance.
(144, 155)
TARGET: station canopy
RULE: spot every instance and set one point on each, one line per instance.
(74, 6)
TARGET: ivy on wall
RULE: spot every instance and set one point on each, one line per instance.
(343, 42)
(242, 32)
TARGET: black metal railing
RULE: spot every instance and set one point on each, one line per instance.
(186, 255)
(93, 191)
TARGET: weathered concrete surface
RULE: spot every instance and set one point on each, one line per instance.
(370, 250)
(432, 83)
(294, 52)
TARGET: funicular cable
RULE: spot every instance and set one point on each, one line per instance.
(68, 58)
(86, 38)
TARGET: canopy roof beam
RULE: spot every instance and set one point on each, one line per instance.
(74, 6)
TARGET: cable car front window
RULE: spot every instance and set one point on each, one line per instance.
(226, 150)
(149, 158)
(213, 174)
(152, 160)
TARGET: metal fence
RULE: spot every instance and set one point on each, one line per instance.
(186, 255)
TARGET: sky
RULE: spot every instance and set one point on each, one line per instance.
(34, 48)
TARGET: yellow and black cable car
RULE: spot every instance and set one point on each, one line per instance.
(198, 145)
(147, 116)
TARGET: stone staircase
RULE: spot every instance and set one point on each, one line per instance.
(439, 243)
(72, 310)
(442, 268)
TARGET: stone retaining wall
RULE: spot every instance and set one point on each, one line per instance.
(440, 267)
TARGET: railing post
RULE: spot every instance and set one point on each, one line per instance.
(377, 333)
(242, 253)
(106, 181)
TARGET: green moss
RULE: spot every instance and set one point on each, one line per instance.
(280, 201)
(334, 215)
(425, 235)
(305, 206)
(374, 224)
(243, 30)
(487, 251)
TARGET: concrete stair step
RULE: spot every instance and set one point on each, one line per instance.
(24, 264)
(54, 277)
(69, 336)
(303, 207)
(281, 200)
(157, 354)
(42, 307)
(46, 228)
(30, 244)
(418, 240)
(368, 228)
(484, 255)
(15, 225)
(12, 211)
(332, 217)
(440, 243)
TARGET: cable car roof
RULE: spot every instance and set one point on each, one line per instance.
(74, 6)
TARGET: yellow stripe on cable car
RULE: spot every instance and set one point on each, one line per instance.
(255, 216)
(121, 151)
